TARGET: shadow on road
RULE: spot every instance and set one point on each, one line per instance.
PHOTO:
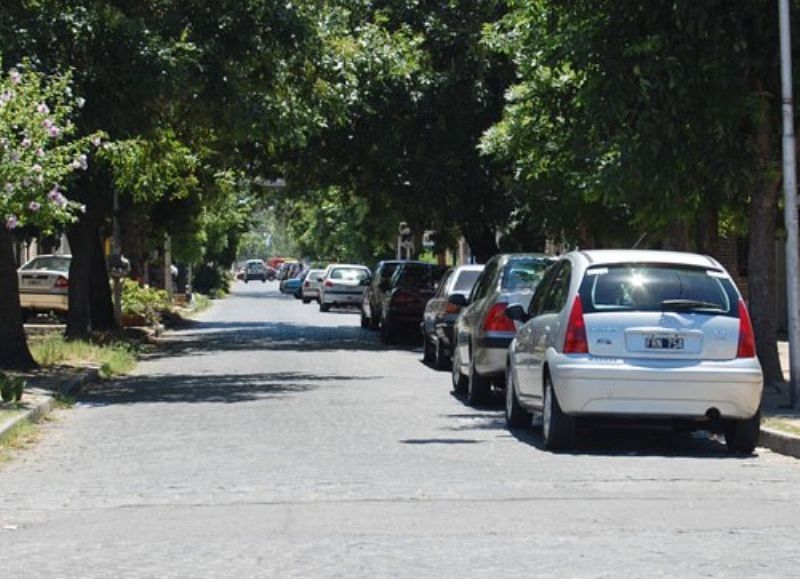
(594, 440)
(225, 388)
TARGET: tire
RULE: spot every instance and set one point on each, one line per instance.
(741, 436)
(478, 387)
(324, 307)
(306, 300)
(365, 321)
(388, 332)
(516, 415)
(374, 321)
(459, 380)
(558, 429)
(428, 352)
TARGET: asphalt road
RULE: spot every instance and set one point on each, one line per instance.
(275, 441)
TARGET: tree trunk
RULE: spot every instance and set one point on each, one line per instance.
(101, 301)
(81, 237)
(14, 352)
(761, 255)
(481, 242)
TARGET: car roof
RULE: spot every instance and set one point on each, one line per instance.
(610, 256)
(470, 267)
(353, 265)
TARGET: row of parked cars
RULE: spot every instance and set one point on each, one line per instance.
(627, 335)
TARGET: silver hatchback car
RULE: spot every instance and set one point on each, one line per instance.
(635, 334)
(483, 332)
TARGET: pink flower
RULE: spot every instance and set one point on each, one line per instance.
(26, 142)
(11, 222)
(43, 109)
(54, 193)
(34, 206)
(53, 131)
(40, 152)
(47, 123)
(6, 96)
(96, 141)
(37, 168)
(15, 76)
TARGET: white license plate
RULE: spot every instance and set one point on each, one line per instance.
(656, 342)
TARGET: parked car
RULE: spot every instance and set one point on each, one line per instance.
(636, 334)
(311, 285)
(440, 315)
(44, 285)
(293, 286)
(254, 269)
(482, 331)
(411, 286)
(373, 294)
(343, 285)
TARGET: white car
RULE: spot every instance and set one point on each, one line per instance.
(44, 285)
(343, 284)
(635, 334)
(311, 285)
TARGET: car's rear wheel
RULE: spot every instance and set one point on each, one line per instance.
(306, 300)
(388, 332)
(741, 436)
(324, 307)
(459, 380)
(478, 387)
(374, 320)
(516, 415)
(558, 428)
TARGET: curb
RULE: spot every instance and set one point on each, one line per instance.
(780, 442)
(66, 388)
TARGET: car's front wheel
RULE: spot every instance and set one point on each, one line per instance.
(428, 350)
(558, 428)
(516, 415)
(742, 436)
(441, 359)
(459, 380)
(324, 307)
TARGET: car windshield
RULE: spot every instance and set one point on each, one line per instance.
(465, 280)
(656, 288)
(53, 262)
(419, 276)
(349, 273)
(255, 266)
(524, 273)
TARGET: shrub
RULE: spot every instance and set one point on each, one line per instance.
(211, 280)
(11, 387)
(146, 302)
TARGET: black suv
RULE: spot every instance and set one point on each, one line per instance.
(403, 301)
(373, 296)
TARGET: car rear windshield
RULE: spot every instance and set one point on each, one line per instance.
(349, 273)
(465, 280)
(636, 287)
(524, 273)
(55, 263)
(419, 276)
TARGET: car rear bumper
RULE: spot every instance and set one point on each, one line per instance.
(44, 302)
(310, 292)
(343, 298)
(587, 385)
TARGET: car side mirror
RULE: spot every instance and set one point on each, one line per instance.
(458, 300)
(517, 313)
(365, 282)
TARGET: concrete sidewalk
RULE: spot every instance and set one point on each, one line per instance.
(780, 426)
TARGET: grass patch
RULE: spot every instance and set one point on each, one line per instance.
(113, 358)
(782, 425)
(21, 436)
(7, 413)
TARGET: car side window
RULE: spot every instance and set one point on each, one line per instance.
(440, 291)
(557, 296)
(485, 282)
(542, 291)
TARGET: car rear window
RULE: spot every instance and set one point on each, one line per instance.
(54, 263)
(465, 280)
(636, 287)
(349, 273)
(522, 274)
(419, 276)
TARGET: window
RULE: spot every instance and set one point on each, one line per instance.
(465, 281)
(349, 274)
(520, 274)
(542, 290)
(54, 263)
(443, 283)
(559, 290)
(642, 287)
(485, 282)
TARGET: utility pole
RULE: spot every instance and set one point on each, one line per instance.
(790, 204)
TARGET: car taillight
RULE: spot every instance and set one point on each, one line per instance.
(497, 321)
(747, 340)
(329, 283)
(451, 308)
(61, 282)
(575, 341)
(402, 298)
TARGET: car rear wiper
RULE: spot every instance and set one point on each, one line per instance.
(690, 305)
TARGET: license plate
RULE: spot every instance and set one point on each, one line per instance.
(663, 342)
